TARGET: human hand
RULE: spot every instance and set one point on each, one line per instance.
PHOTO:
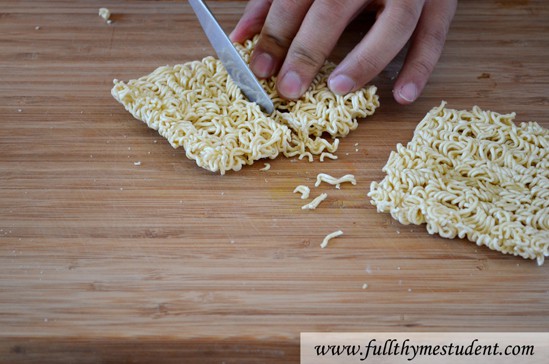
(298, 35)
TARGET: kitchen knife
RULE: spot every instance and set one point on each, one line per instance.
(229, 56)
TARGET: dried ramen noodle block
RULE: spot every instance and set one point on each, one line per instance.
(197, 106)
(473, 174)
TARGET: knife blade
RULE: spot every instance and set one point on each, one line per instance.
(237, 69)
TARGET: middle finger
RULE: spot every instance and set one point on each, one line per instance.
(321, 28)
(281, 26)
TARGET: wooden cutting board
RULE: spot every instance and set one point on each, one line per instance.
(103, 260)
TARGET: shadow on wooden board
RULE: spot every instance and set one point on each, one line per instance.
(147, 350)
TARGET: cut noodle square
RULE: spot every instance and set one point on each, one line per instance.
(472, 174)
(197, 106)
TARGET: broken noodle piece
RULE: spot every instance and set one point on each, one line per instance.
(105, 14)
(198, 107)
(314, 203)
(328, 237)
(304, 190)
(323, 177)
(473, 174)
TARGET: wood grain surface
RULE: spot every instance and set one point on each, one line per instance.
(102, 260)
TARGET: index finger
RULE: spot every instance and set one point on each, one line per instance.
(251, 21)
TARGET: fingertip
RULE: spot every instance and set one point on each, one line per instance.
(243, 32)
(341, 84)
(262, 64)
(251, 21)
(291, 86)
(234, 37)
(425, 49)
(406, 94)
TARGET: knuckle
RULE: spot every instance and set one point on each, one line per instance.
(306, 56)
(287, 6)
(287, 3)
(431, 43)
(434, 37)
(408, 8)
(328, 8)
(271, 38)
(423, 66)
(437, 37)
(368, 64)
(405, 14)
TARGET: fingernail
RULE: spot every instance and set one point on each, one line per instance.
(341, 84)
(290, 85)
(408, 92)
(263, 65)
